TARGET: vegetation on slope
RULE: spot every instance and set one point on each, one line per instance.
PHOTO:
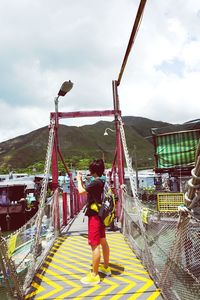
(79, 145)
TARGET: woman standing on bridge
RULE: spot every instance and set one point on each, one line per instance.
(96, 229)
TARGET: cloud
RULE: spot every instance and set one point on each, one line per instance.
(47, 42)
(14, 122)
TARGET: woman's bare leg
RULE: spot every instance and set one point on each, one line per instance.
(95, 259)
(106, 251)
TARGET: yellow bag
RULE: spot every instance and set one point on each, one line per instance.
(95, 206)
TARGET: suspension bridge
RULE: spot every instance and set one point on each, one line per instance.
(158, 259)
(46, 258)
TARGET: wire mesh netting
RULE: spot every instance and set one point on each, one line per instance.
(168, 243)
(174, 250)
(19, 245)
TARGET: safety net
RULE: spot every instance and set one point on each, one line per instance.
(169, 250)
(18, 246)
(165, 240)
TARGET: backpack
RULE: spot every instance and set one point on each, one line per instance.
(107, 210)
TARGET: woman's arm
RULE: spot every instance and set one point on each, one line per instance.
(81, 187)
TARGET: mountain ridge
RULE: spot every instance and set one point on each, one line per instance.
(80, 142)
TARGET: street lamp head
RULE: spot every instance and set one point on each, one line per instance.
(105, 133)
(65, 88)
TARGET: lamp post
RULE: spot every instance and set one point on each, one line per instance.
(106, 131)
(136, 168)
(64, 89)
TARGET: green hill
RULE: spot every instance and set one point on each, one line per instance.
(76, 143)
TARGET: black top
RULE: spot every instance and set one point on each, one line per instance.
(94, 190)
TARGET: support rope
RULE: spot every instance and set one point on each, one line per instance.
(147, 257)
(43, 193)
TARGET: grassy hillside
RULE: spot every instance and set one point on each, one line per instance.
(76, 143)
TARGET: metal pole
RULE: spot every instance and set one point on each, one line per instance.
(55, 152)
(118, 136)
(71, 197)
(136, 25)
(136, 168)
(64, 196)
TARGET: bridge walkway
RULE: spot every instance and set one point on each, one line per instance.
(70, 259)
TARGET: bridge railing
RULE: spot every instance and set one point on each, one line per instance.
(167, 243)
(175, 253)
(57, 213)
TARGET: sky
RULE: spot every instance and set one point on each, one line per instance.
(47, 42)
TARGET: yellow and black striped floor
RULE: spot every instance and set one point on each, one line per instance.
(70, 259)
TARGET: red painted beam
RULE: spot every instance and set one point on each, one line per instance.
(80, 114)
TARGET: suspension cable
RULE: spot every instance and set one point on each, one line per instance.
(135, 29)
(43, 193)
(148, 257)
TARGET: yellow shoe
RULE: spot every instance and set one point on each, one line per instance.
(106, 271)
(91, 279)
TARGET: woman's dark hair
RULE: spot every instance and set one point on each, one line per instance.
(97, 166)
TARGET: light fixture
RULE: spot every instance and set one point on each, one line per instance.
(106, 131)
(65, 88)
